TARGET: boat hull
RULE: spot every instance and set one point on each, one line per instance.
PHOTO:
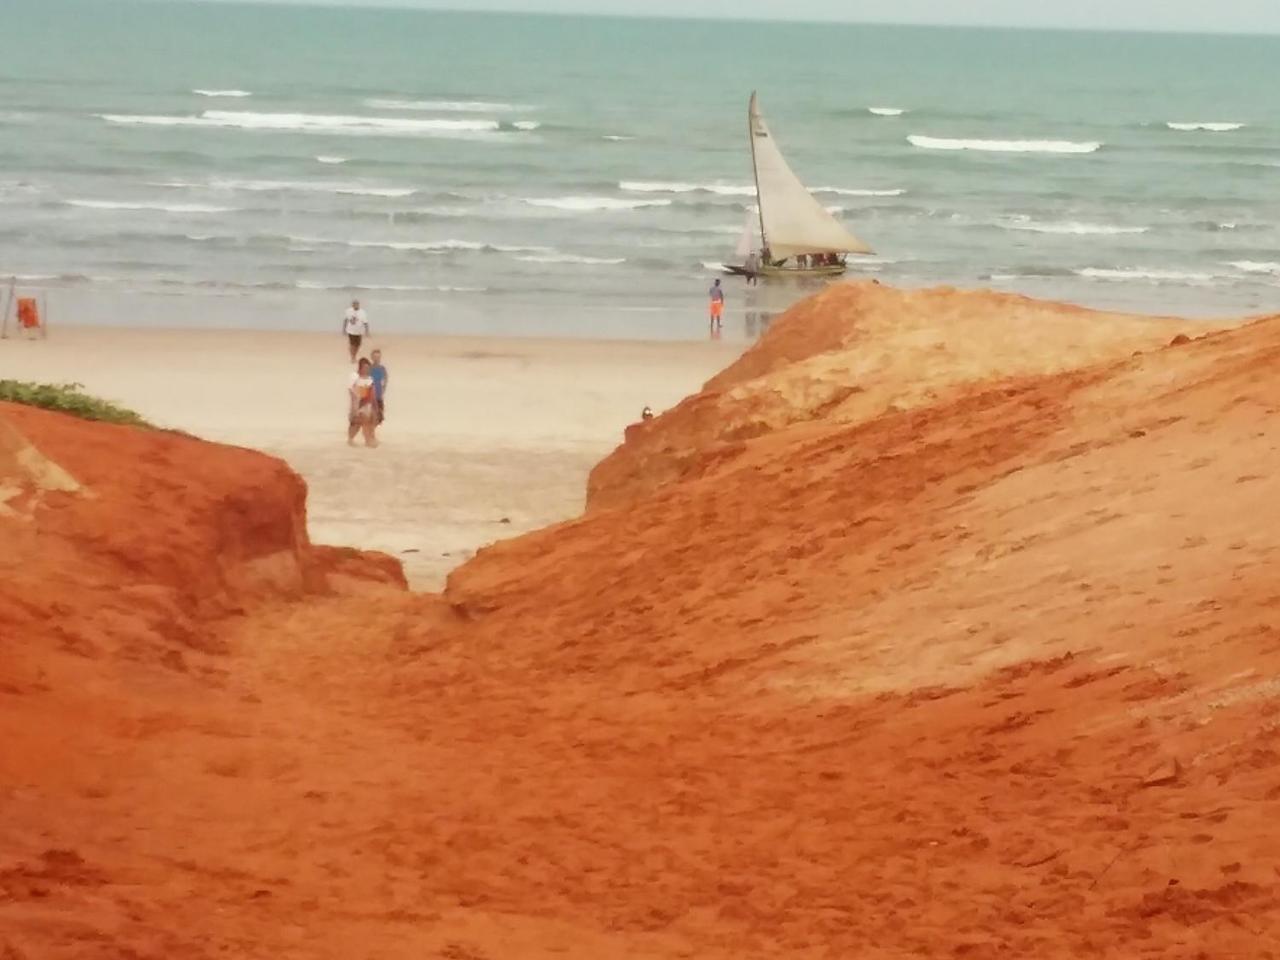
(775, 273)
(825, 270)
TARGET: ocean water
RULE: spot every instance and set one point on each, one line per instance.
(256, 166)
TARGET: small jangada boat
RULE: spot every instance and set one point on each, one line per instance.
(798, 236)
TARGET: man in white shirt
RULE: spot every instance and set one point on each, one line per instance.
(356, 326)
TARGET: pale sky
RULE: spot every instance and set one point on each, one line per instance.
(1236, 16)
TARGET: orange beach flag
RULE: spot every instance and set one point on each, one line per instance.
(28, 313)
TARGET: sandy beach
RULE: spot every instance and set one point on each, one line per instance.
(485, 437)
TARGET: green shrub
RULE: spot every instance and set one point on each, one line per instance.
(67, 398)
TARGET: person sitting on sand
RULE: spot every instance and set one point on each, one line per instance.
(355, 324)
(361, 416)
(381, 380)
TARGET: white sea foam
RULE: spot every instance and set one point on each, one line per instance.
(1005, 146)
(616, 137)
(571, 258)
(1069, 227)
(664, 186)
(1256, 266)
(845, 192)
(238, 94)
(591, 204)
(444, 106)
(712, 265)
(395, 287)
(1212, 127)
(332, 160)
(886, 111)
(427, 246)
(313, 123)
(1142, 274)
(163, 207)
(526, 124)
(305, 186)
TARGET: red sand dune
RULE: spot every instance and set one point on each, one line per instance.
(857, 351)
(990, 675)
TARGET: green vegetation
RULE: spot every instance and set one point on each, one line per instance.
(67, 398)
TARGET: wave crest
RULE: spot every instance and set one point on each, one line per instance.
(1256, 266)
(444, 106)
(1069, 227)
(1210, 127)
(312, 123)
(571, 258)
(663, 186)
(847, 192)
(1143, 274)
(593, 204)
(142, 205)
(1005, 146)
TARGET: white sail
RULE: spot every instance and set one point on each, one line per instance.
(747, 242)
(792, 221)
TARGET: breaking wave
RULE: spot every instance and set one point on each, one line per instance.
(1256, 266)
(571, 258)
(662, 186)
(845, 192)
(304, 186)
(1209, 127)
(1142, 274)
(427, 246)
(1005, 146)
(138, 205)
(394, 287)
(444, 106)
(331, 160)
(1069, 227)
(223, 93)
(313, 123)
(886, 111)
(592, 204)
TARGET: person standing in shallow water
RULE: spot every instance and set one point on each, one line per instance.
(355, 324)
(361, 414)
(381, 380)
(717, 304)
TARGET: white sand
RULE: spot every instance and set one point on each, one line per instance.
(477, 430)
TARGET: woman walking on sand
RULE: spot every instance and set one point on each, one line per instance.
(361, 415)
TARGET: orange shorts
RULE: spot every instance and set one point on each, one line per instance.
(717, 308)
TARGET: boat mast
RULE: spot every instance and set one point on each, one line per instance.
(751, 136)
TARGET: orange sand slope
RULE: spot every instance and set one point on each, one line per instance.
(989, 675)
(858, 350)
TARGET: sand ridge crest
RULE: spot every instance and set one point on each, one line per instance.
(858, 350)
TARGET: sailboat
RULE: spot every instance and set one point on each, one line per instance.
(798, 236)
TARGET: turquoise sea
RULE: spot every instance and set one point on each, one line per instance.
(247, 165)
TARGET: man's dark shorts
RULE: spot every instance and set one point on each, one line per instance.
(354, 339)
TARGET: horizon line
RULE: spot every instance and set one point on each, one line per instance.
(409, 5)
